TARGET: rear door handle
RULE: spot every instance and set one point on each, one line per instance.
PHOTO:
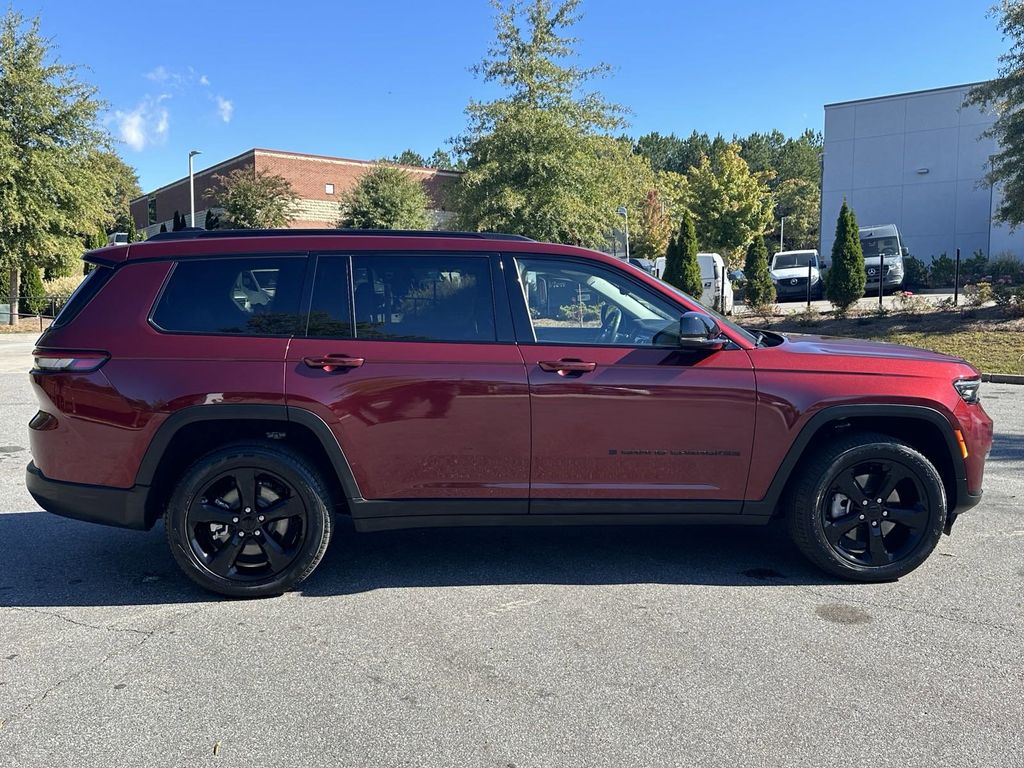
(567, 366)
(333, 362)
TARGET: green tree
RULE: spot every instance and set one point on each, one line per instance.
(540, 160)
(800, 202)
(759, 289)
(409, 157)
(845, 279)
(49, 137)
(654, 230)
(31, 289)
(441, 159)
(253, 200)
(133, 233)
(177, 223)
(1004, 96)
(674, 192)
(212, 220)
(385, 197)
(681, 266)
(729, 203)
(120, 185)
(671, 153)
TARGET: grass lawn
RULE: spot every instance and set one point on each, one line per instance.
(986, 338)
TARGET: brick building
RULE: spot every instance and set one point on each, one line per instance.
(318, 180)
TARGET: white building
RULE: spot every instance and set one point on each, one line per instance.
(916, 160)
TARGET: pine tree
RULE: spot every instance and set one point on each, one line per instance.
(179, 223)
(212, 220)
(845, 280)
(31, 288)
(133, 233)
(760, 290)
(681, 267)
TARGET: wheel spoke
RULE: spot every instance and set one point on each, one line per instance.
(894, 475)
(245, 481)
(223, 560)
(211, 513)
(915, 517)
(277, 557)
(284, 508)
(836, 529)
(847, 485)
(877, 552)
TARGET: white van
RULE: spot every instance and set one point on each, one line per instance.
(712, 275)
(790, 271)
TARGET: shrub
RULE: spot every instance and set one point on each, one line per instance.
(759, 289)
(60, 289)
(1006, 270)
(974, 268)
(579, 312)
(845, 280)
(681, 267)
(978, 294)
(33, 295)
(942, 272)
(1010, 298)
(909, 304)
(807, 317)
(915, 273)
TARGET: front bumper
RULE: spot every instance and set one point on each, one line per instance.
(123, 507)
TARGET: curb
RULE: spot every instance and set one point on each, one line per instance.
(1003, 378)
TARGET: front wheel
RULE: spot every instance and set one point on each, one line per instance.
(867, 508)
(249, 520)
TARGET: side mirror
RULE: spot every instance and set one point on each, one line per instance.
(904, 251)
(699, 331)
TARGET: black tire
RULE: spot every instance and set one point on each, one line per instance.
(288, 521)
(845, 530)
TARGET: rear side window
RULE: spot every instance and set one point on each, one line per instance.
(433, 297)
(83, 294)
(254, 296)
(330, 314)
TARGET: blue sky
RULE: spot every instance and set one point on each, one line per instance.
(365, 80)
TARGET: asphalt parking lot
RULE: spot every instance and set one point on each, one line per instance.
(581, 647)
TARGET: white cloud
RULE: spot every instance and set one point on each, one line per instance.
(148, 123)
(204, 80)
(159, 74)
(225, 108)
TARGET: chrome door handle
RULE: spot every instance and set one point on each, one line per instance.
(567, 366)
(331, 363)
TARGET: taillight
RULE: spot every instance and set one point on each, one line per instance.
(53, 361)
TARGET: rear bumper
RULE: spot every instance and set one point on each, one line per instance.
(123, 507)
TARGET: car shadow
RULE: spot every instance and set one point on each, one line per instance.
(51, 561)
(1007, 447)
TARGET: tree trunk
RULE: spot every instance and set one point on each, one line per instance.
(12, 318)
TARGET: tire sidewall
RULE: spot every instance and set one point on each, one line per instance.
(930, 481)
(302, 481)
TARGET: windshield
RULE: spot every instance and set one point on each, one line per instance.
(787, 260)
(880, 246)
(722, 319)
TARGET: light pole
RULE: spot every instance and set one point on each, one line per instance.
(624, 213)
(192, 186)
(782, 234)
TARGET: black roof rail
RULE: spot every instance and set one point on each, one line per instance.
(194, 233)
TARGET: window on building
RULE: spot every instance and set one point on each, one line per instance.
(439, 297)
(248, 296)
(329, 189)
(151, 211)
(330, 312)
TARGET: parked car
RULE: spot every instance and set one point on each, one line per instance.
(883, 257)
(791, 271)
(647, 265)
(718, 292)
(429, 379)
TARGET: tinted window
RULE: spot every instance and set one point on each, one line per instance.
(246, 296)
(423, 298)
(576, 303)
(330, 313)
(83, 294)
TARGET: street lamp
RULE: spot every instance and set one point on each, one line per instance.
(624, 213)
(192, 186)
(782, 233)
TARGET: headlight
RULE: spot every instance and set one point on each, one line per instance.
(969, 389)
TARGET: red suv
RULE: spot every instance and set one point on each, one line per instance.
(245, 386)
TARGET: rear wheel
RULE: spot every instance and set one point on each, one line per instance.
(868, 508)
(249, 520)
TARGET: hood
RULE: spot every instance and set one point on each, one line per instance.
(889, 261)
(836, 345)
(787, 273)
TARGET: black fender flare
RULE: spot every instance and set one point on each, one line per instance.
(829, 414)
(247, 412)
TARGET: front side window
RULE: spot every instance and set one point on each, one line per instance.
(432, 297)
(248, 296)
(576, 303)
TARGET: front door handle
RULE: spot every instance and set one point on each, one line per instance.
(331, 363)
(567, 366)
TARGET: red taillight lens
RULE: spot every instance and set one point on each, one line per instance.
(53, 361)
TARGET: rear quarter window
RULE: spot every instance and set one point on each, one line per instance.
(84, 293)
(243, 296)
